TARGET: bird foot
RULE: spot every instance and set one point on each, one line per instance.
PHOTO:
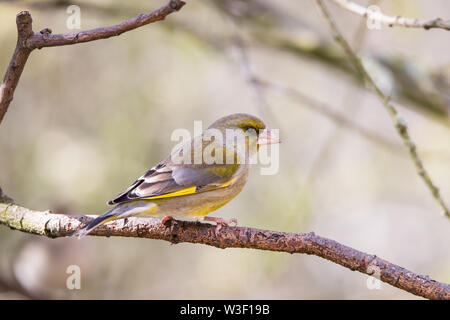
(166, 219)
(169, 221)
(221, 222)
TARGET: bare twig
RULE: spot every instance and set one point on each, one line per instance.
(59, 225)
(28, 41)
(398, 121)
(244, 64)
(378, 16)
(326, 111)
(243, 61)
(19, 58)
(40, 40)
(332, 140)
(271, 32)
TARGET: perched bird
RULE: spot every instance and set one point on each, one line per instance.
(199, 177)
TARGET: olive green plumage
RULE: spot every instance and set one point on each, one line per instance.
(190, 190)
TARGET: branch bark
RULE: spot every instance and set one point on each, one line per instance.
(28, 40)
(59, 225)
(393, 21)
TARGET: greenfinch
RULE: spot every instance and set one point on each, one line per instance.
(197, 178)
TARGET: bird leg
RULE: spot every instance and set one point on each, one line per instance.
(221, 222)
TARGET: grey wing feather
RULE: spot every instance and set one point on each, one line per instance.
(163, 179)
(194, 177)
(168, 177)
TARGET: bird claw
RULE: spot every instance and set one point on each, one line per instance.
(169, 221)
(221, 222)
(166, 219)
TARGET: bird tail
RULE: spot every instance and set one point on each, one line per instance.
(124, 210)
(102, 219)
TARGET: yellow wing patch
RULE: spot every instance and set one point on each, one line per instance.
(187, 191)
(182, 192)
(226, 184)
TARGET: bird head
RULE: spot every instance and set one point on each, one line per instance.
(250, 126)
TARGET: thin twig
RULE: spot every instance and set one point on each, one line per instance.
(60, 225)
(378, 16)
(243, 61)
(270, 32)
(17, 63)
(328, 112)
(399, 123)
(332, 139)
(28, 41)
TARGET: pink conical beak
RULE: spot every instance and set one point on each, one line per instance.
(268, 137)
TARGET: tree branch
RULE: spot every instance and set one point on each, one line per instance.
(393, 21)
(40, 40)
(399, 123)
(59, 225)
(17, 63)
(28, 41)
(271, 32)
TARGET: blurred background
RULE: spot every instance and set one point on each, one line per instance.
(86, 120)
